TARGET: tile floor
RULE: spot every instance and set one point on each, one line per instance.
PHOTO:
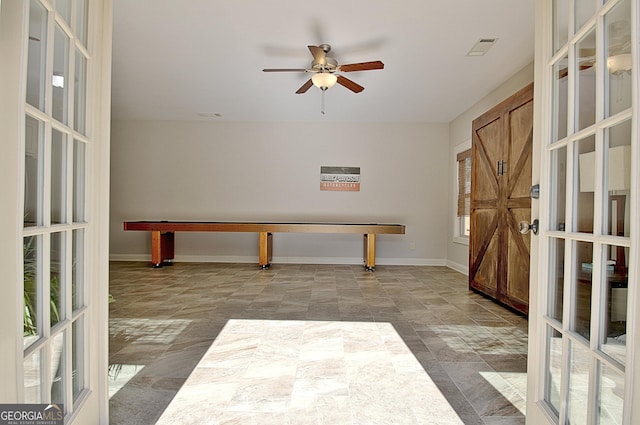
(310, 344)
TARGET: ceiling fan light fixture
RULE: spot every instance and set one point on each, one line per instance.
(619, 63)
(324, 80)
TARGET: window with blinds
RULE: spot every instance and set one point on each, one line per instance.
(464, 192)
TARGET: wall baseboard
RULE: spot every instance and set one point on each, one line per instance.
(288, 260)
(188, 258)
(458, 267)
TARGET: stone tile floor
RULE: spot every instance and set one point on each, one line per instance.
(310, 344)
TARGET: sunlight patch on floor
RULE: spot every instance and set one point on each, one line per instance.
(120, 374)
(287, 371)
(147, 331)
(511, 385)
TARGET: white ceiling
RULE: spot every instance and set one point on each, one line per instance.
(175, 59)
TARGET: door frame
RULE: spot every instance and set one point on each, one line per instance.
(11, 31)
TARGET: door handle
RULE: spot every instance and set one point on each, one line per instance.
(500, 169)
(524, 227)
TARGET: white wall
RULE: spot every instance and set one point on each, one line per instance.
(176, 170)
(460, 133)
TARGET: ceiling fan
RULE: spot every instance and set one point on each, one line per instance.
(618, 50)
(324, 69)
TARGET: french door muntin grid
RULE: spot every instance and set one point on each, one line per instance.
(60, 237)
(568, 351)
(60, 245)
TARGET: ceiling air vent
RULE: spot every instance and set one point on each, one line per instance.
(482, 46)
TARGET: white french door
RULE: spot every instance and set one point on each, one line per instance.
(56, 304)
(584, 333)
(58, 102)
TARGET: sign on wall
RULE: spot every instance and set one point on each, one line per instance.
(340, 178)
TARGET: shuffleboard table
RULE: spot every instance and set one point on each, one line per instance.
(163, 232)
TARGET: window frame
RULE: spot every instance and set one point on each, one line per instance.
(458, 223)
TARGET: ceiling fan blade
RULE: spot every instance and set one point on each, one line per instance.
(363, 66)
(284, 70)
(319, 56)
(306, 86)
(354, 87)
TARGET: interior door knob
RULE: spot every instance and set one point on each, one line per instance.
(525, 227)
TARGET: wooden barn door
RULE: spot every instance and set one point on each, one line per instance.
(500, 184)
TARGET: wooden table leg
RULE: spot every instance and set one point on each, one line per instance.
(266, 247)
(370, 251)
(156, 248)
(162, 248)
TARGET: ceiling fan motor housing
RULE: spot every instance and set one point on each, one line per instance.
(331, 65)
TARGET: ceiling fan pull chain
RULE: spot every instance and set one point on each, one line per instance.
(322, 102)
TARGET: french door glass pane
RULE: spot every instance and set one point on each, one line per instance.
(77, 356)
(78, 181)
(80, 93)
(60, 75)
(611, 398)
(617, 261)
(583, 260)
(586, 177)
(57, 278)
(584, 9)
(58, 368)
(32, 366)
(77, 269)
(32, 247)
(560, 19)
(554, 367)
(614, 339)
(585, 101)
(63, 7)
(81, 21)
(618, 182)
(58, 177)
(556, 282)
(618, 53)
(37, 55)
(33, 172)
(617, 225)
(560, 97)
(559, 171)
(579, 359)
